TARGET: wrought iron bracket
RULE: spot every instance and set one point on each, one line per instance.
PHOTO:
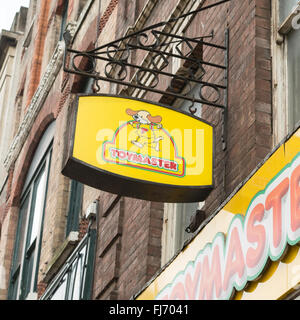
(143, 61)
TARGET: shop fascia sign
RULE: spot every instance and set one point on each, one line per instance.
(271, 224)
(139, 149)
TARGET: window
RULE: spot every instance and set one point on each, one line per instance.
(177, 217)
(286, 66)
(293, 73)
(23, 284)
(74, 208)
(285, 9)
(74, 281)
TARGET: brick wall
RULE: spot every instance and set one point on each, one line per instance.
(249, 127)
(129, 230)
(129, 246)
(39, 42)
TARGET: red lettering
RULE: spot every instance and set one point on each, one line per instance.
(178, 292)
(295, 199)
(137, 158)
(121, 154)
(147, 161)
(167, 164)
(274, 201)
(129, 156)
(113, 152)
(255, 234)
(191, 284)
(160, 163)
(235, 263)
(173, 166)
(154, 161)
(211, 276)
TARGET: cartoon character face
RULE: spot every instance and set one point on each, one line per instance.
(143, 116)
(146, 126)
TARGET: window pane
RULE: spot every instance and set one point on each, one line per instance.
(27, 272)
(19, 245)
(37, 204)
(75, 203)
(79, 275)
(27, 243)
(76, 276)
(60, 292)
(13, 290)
(185, 211)
(294, 77)
(77, 271)
(21, 232)
(286, 7)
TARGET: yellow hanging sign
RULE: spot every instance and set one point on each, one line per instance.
(141, 149)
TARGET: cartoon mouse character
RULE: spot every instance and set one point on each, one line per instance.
(147, 127)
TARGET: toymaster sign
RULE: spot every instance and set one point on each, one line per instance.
(139, 149)
(249, 249)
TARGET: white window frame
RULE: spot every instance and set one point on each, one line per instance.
(279, 47)
(175, 221)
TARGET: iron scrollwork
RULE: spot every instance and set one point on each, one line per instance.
(143, 60)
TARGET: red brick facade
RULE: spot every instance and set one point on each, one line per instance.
(249, 129)
(129, 230)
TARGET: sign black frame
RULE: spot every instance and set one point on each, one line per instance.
(126, 186)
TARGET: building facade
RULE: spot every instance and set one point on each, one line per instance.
(61, 239)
